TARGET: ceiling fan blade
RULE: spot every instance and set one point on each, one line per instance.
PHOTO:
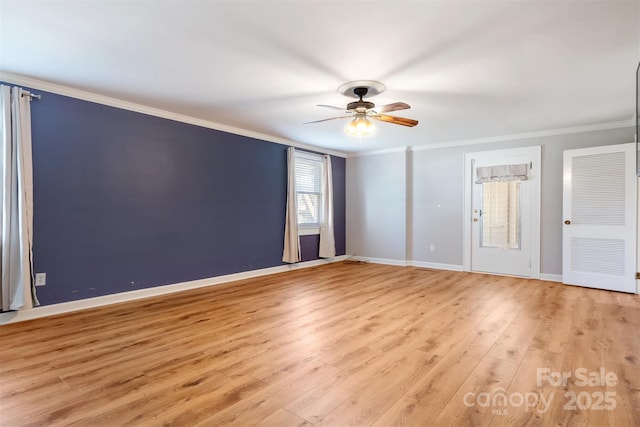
(395, 120)
(392, 107)
(332, 118)
(332, 107)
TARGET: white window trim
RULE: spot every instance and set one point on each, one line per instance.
(310, 229)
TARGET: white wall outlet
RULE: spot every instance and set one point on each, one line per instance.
(432, 248)
(41, 279)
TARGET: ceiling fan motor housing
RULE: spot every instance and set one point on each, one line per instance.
(360, 105)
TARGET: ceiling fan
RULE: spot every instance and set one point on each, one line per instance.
(361, 111)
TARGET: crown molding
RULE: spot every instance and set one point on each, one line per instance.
(526, 135)
(139, 108)
(384, 151)
(502, 138)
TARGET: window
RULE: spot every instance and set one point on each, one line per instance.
(309, 170)
(500, 225)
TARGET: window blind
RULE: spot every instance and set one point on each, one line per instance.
(308, 188)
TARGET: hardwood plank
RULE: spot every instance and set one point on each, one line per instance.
(621, 333)
(519, 334)
(627, 396)
(467, 406)
(283, 418)
(439, 385)
(340, 344)
(515, 411)
(371, 390)
(265, 402)
(315, 404)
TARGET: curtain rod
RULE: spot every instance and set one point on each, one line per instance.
(32, 95)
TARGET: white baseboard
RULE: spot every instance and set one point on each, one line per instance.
(385, 261)
(403, 263)
(67, 307)
(435, 265)
(439, 266)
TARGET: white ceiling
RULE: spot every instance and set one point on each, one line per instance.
(469, 70)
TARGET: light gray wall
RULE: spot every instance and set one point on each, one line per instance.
(435, 202)
(437, 205)
(377, 206)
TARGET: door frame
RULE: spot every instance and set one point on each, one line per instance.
(535, 154)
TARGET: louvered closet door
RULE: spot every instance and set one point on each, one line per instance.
(599, 214)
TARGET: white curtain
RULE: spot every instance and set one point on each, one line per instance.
(18, 291)
(327, 238)
(501, 173)
(291, 251)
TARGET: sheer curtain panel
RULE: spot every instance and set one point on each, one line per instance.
(501, 173)
(18, 291)
(327, 237)
(291, 253)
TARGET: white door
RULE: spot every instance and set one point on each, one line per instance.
(503, 212)
(599, 213)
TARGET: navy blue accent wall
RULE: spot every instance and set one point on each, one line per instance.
(309, 247)
(339, 176)
(125, 201)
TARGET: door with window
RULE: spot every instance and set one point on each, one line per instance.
(503, 211)
(599, 214)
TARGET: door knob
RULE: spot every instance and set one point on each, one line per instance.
(567, 222)
(475, 219)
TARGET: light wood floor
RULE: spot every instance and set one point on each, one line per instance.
(337, 345)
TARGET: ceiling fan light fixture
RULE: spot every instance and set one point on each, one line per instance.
(362, 111)
(360, 126)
